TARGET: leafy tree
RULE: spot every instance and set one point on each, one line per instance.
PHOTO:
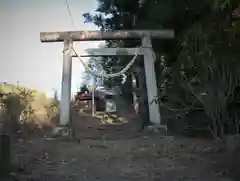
(84, 88)
(198, 70)
(95, 66)
(26, 108)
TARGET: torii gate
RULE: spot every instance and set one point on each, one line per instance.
(146, 51)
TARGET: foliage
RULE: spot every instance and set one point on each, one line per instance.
(28, 109)
(95, 64)
(83, 89)
(198, 70)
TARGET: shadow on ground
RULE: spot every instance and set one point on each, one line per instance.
(116, 153)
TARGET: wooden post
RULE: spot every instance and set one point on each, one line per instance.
(5, 141)
(151, 83)
(66, 83)
(5, 151)
(134, 87)
(93, 96)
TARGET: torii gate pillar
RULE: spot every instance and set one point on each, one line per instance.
(66, 83)
(151, 84)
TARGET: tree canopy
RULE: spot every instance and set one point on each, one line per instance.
(198, 71)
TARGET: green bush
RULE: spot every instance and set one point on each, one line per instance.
(28, 110)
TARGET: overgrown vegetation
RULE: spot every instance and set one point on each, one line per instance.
(198, 71)
(83, 89)
(27, 110)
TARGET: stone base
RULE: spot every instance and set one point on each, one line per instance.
(162, 129)
(60, 131)
(157, 127)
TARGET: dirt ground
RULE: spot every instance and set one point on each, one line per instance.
(116, 153)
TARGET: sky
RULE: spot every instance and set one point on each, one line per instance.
(24, 58)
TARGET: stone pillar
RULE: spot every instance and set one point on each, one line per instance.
(65, 105)
(151, 83)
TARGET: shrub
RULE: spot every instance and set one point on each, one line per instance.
(28, 110)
